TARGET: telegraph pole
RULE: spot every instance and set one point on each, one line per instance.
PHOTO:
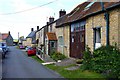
(18, 38)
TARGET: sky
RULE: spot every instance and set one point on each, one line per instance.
(22, 15)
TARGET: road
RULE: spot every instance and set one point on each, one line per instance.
(18, 65)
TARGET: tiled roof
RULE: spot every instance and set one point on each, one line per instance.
(4, 36)
(51, 36)
(80, 12)
(32, 34)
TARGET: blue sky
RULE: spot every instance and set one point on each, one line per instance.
(23, 22)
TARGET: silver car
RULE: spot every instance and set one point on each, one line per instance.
(3, 49)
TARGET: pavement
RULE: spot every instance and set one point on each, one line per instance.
(65, 62)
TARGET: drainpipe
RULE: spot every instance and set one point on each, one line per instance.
(107, 28)
(106, 15)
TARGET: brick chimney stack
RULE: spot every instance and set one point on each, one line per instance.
(32, 29)
(62, 13)
(9, 32)
(37, 27)
(51, 19)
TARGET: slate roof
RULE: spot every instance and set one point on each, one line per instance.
(81, 12)
(51, 36)
(32, 34)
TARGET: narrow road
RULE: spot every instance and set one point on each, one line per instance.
(18, 65)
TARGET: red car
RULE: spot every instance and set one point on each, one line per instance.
(31, 52)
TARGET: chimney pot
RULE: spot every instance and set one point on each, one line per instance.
(32, 29)
(9, 32)
(51, 19)
(37, 27)
(62, 12)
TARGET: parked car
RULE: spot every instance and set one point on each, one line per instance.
(2, 54)
(3, 49)
(31, 51)
(21, 47)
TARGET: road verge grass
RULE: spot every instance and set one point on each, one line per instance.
(74, 73)
(37, 59)
(71, 74)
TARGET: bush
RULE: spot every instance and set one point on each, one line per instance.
(87, 59)
(105, 60)
(57, 56)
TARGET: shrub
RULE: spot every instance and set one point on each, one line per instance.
(105, 60)
(57, 56)
(87, 59)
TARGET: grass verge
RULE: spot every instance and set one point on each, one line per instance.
(37, 59)
(75, 73)
(71, 74)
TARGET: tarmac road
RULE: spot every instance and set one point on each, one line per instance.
(19, 65)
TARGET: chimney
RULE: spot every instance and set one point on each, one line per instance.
(9, 32)
(47, 23)
(62, 13)
(32, 29)
(51, 19)
(37, 27)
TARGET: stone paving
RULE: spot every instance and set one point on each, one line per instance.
(66, 62)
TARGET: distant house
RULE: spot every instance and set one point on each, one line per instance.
(31, 38)
(6, 37)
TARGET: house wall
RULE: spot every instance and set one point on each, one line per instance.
(24, 43)
(41, 37)
(53, 29)
(37, 35)
(99, 21)
(115, 27)
(65, 32)
(29, 41)
(119, 28)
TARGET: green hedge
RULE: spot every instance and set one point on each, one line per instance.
(105, 60)
(57, 56)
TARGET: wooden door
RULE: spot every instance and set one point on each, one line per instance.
(77, 44)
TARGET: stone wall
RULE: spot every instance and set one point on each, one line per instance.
(99, 21)
(65, 32)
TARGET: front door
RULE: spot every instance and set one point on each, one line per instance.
(77, 44)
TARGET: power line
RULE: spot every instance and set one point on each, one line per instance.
(29, 9)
